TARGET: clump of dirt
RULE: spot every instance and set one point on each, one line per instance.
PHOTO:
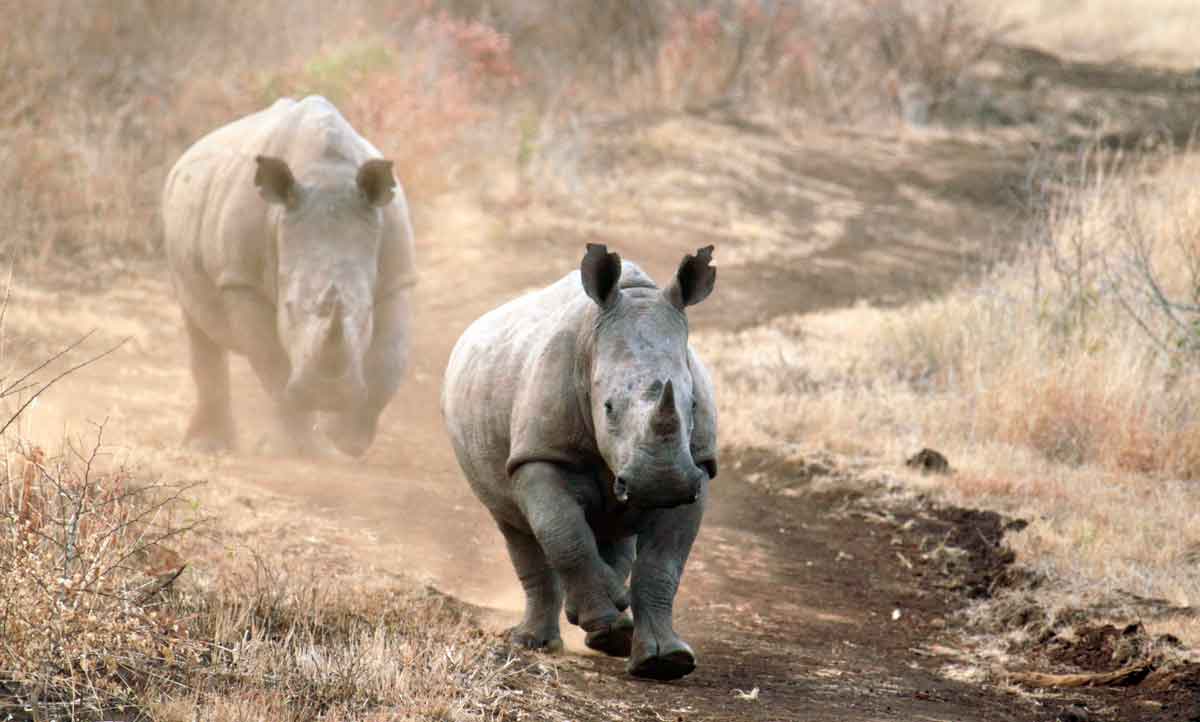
(1128, 673)
(1100, 648)
(985, 559)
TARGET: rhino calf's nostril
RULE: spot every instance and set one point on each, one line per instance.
(621, 490)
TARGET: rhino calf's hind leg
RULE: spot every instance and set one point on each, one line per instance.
(211, 428)
(543, 592)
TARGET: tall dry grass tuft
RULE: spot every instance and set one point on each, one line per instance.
(338, 649)
(1084, 350)
(1064, 386)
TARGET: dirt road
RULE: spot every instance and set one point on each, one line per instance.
(792, 596)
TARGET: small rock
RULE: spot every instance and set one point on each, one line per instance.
(1074, 713)
(929, 460)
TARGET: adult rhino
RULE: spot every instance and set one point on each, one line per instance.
(587, 426)
(288, 241)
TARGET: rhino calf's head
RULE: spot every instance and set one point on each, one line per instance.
(327, 239)
(642, 396)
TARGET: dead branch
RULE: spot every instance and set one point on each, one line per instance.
(1124, 677)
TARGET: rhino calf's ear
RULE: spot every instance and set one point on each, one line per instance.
(694, 280)
(376, 181)
(274, 180)
(600, 272)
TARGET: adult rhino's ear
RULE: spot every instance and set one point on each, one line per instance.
(600, 272)
(694, 280)
(376, 181)
(274, 180)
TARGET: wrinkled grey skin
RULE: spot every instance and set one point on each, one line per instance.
(288, 241)
(588, 427)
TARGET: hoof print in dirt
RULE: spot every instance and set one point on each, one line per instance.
(929, 461)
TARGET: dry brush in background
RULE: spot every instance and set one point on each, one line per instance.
(99, 99)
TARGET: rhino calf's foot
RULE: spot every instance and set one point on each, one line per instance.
(670, 659)
(616, 640)
(522, 636)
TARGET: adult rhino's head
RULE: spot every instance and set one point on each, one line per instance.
(642, 393)
(327, 246)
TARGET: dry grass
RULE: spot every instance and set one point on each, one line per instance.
(1062, 387)
(83, 560)
(122, 592)
(97, 618)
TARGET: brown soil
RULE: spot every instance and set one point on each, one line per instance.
(829, 602)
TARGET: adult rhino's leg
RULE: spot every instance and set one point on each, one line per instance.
(211, 428)
(353, 432)
(543, 592)
(593, 591)
(252, 323)
(662, 550)
(617, 639)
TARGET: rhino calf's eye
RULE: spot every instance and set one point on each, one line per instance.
(608, 407)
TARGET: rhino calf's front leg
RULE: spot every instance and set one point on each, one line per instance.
(557, 521)
(662, 550)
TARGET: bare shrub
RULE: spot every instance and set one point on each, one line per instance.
(84, 561)
(422, 98)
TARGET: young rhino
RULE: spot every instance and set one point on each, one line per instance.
(588, 427)
(288, 241)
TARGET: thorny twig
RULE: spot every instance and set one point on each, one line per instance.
(46, 386)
